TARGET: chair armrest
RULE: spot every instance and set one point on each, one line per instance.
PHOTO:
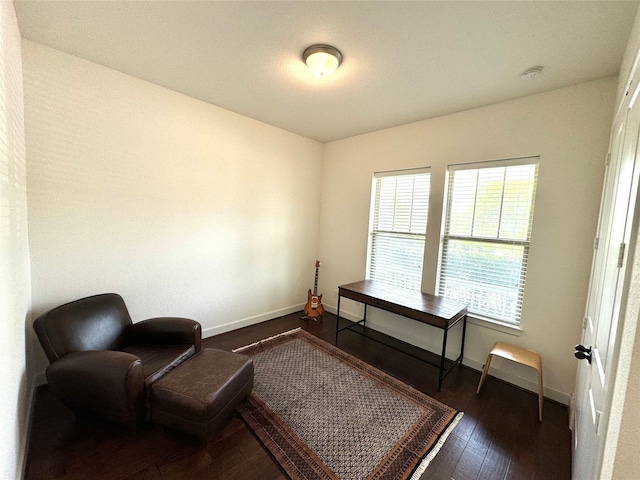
(166, 331)
(105, 382)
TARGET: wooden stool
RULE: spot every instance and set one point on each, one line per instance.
(520, 355)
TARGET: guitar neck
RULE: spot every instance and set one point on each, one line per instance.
(315, 284)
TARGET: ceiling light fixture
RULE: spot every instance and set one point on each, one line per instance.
(322, 60)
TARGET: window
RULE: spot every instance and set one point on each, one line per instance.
(486, 235)
(399, 210)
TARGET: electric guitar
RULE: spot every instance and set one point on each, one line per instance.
(313, 308)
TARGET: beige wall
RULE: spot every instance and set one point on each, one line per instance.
(16, 392)
(569, 130)
(183, 208)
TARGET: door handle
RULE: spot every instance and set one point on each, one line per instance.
(583, 353)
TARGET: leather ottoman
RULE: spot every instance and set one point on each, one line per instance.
(196, 396)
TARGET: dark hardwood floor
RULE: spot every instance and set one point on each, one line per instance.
(499, 436)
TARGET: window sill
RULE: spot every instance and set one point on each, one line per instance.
(503, 327)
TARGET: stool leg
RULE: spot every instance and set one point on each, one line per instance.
(484, 373)
(540, 394)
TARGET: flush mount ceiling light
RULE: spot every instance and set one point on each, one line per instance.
(532, 72)
(322, 60)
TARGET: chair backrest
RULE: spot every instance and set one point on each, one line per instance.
(93, 323)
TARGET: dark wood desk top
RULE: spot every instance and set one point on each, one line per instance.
(426, 308)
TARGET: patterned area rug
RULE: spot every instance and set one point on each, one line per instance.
(324, 414)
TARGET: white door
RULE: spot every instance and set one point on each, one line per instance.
(608, 282)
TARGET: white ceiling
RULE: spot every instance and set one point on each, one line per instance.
(403, 61)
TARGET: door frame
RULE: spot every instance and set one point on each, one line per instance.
(627, 319)
(624, 344)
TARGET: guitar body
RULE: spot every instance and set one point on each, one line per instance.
(313, 308)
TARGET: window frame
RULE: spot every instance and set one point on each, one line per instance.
(446, 238)
(375, 232)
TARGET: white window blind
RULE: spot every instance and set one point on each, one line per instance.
(486, 236)
(400, 207)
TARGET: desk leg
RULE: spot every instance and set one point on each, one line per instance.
(337, 319)
(442, 358)
(364, 319)
(464, 331)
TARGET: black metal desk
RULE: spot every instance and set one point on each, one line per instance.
(435, 311)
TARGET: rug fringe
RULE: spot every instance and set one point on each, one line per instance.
(264, 340)
(436, 448)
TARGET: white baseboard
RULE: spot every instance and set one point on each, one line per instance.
(558, 396)
(41, 379)
(424, 343)
(245, 322)
(24, 447)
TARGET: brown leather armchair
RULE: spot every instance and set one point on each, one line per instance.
(103, 363)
